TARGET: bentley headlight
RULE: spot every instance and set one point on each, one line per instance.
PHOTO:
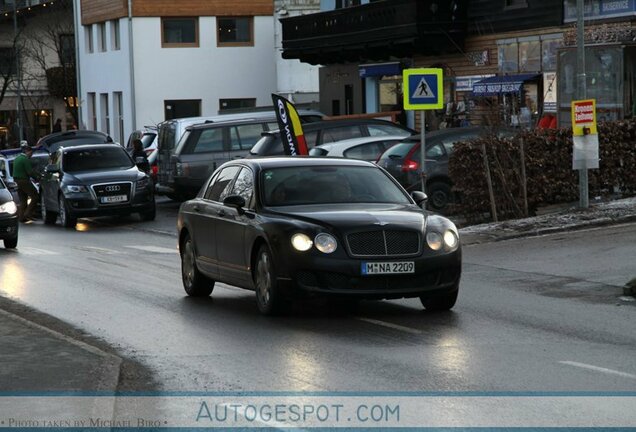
(301, 242)
(326, 243)
(8, 207)
(450, 240)
(75, 189)
(434, 240)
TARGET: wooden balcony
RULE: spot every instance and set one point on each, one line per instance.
(376, 31)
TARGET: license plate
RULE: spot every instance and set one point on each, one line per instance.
(114, 199)
(376, 268)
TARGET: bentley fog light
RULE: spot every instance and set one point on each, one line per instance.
(8, 207)
(301, 242)
(326, 243)
(450, 239)
(434, 240)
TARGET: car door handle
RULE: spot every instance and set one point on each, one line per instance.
(196, 209)
(221, 213)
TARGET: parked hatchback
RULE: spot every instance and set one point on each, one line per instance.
(403, 161)
(328, 131)
(367, 148)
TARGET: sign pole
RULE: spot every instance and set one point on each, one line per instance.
(584, 201)
(423, 149)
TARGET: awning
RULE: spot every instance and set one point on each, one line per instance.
(380, 69)
(497, 85)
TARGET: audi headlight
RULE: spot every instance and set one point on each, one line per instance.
(301, 242)
(450, 240)
(143, 183)
(434, 240)
(8, 207)
(75, 189)
(326, 243)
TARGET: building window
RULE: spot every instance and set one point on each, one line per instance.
(182, 108)
(235, 31)
(101, 37)
(7, 62)
(88, 31)
(118, 116)
(179, 32)
(105, 114)
(530, 56)
(513, 4)
(92, 112)
(236, 104)
(114, 35)
(508, 57)
(67, 49)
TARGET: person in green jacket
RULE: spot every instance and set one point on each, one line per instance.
(22, 174)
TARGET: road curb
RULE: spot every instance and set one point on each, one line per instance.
(111, 367)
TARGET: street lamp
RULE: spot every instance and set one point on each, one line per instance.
(17, 69)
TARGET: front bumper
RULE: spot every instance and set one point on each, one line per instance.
(323, 276)
(87, 205)
(8, 227)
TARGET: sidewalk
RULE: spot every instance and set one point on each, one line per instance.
(34, 358)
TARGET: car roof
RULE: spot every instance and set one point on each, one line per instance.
(235, 117)
(69, 135)
(325, 124)
(350, 142)
(92, 147)
(294, 161)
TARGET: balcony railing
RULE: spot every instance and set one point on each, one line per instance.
(403, 25)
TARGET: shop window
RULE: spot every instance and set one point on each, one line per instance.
(530, 56)
(179, 32)
(549, 49)
(509, 57)
(235, 31)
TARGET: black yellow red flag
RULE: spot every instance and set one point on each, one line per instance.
(291, 130)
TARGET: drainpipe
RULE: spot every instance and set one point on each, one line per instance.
(78, 75)
(131, 64)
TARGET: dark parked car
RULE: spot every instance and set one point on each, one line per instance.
(8, 218)
(403, 162)
(94, 180)
(328, 131)
(315, 226)
(70, 138)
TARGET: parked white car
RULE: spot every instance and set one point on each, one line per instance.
(365, 148)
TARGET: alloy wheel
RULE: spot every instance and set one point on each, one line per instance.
(264, 278)
(188, 263)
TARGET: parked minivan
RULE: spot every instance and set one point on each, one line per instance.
(187, 154)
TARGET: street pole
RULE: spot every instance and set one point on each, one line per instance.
(17, 69)
(423, 149)
(581, 91)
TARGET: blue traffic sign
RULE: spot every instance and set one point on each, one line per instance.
(423, 89)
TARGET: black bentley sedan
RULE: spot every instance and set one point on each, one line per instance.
(8, 218)
(94, 180)
(285, 227)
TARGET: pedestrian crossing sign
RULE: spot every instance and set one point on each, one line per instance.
(423, 89)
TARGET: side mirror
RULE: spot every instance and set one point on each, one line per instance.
(236, 201)
(51, 168)
(419, 197)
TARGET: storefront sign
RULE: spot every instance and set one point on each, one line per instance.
(597, 9)
(466, 83)
(550, 92)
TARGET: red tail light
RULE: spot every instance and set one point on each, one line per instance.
(155, 169)
(410, 165)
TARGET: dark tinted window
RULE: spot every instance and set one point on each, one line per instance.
(220, 187)
(398, 151)
(167, 138)
(114, 158)
(244, 185)
(244, 137)
(327, 185)
(210, 140)
(179, 31)
(388, 129)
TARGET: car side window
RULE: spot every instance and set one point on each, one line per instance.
(340, 133)
(435, 152)
(311, 138)
(220, 188)
(368, 152)
(244, 137)
(210, 140)
(244, 185)
(381, 130)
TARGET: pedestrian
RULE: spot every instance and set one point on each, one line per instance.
(57, 127)
(139, 153)
(22, 174)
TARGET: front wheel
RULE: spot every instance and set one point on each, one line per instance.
(269, 299)
(194, 283)
(440, 302)
(11, 243)
(67, 219)
(49, 217)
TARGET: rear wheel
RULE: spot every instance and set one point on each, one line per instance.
(439, 196)
(440, 302)
(194, 283)
(11, 243)
(269, 299)
(67, 219)
(49, 217)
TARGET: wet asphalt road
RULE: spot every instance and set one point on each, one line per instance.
(538, 314)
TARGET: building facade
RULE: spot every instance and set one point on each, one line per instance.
(147, 61)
